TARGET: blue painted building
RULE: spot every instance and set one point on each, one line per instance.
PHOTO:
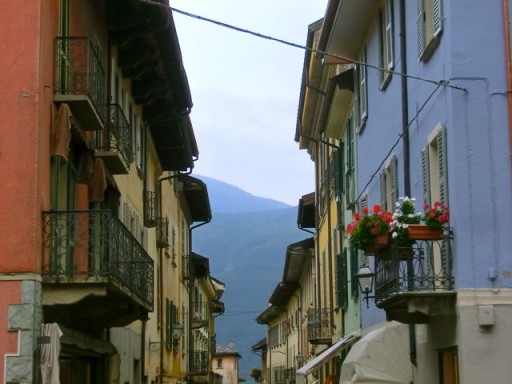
(431, 111)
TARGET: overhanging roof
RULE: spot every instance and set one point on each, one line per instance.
(297, 256)
(327, 354)
(149, 54)
(196, 195)
(306, 211)
(346, 23)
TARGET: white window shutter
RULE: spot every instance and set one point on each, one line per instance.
(393, 174)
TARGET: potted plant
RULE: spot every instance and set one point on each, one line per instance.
(370, 231)
(434, 217)
(404, 215)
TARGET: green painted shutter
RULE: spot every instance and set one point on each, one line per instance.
(443, 176)
(168, 324)
(354, 267)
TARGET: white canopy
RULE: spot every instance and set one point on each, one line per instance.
(381, 356)
(327, 354)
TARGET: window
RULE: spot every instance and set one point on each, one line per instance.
(219, 363)
(362, 91)
(430, 26)
(171, 318)
(387, 59)
(364, 204)
(389, 185)
(435, 186)
(139, 144)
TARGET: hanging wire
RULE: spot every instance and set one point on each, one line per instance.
(295, 45)
(400, 136)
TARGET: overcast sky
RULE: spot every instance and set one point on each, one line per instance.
(245, 91)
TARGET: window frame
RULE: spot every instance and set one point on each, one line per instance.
(387, 54)
(429, 26)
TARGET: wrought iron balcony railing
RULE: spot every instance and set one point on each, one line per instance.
(199, 363)
(79, 79)
(94, 246)
(424, 267)
(319, 325)
(115, 142)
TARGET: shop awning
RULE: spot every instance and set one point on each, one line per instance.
(381, 356)
(326, 355)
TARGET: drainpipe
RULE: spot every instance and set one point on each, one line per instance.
(406, 147)
(506, 32)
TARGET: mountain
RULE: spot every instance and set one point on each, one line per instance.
(228, 198)
(246, 243)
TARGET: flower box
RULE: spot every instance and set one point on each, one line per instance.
(424, 232)
(379, 243)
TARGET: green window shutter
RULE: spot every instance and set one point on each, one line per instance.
(338, 284)
(437, 8)
(354, 267)
(168, 324)
(420, 26)
(337, 174)
(425, 172)
(344, 293)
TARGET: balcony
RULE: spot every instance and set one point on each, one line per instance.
(319, 326)
(412, 284)
(200, 314)
(114, 144)
(95, 273)
(79, 80)
(199, 363)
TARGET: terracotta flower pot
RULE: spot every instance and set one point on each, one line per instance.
(379, 243)
(424, 232)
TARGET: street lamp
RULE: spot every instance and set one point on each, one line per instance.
(177, 331)
(365, 278)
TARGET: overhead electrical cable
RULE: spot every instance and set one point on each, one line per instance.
(295, 45)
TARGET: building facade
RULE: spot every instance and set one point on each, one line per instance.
(97, 267)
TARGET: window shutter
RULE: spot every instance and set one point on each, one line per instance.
(338, 174)
(364, 204)
(363, 96)
(338, 288)
(443, 176)
(437, 8)
(389, 34)
(420, 25)
(354, 268)
(383, 189)
(426, 175)
(168, 323)
(393, 174)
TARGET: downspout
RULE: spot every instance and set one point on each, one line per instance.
(406, 147)
(506, 32)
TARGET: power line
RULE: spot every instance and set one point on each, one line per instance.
(300, 46)
(400, 136)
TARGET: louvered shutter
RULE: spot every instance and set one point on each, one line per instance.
(339, 280)
(437, 14)
(425, 172)
(354, 268)
(338, 174)
(393, 182)
(389, 34)
(168, 323)
(443, 176)
(420, 26)
(443, 194)
(383, 189)
(364, 204)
